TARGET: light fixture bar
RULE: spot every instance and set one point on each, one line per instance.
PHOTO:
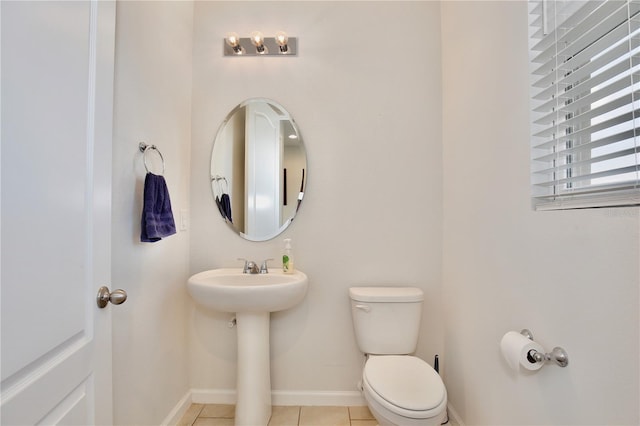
(271, 47)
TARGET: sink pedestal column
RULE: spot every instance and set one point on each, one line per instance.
(253, 393)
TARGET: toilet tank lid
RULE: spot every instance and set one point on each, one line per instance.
(386, 294)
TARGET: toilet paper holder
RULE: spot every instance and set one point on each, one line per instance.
(557, 355)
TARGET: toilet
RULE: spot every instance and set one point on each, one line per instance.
(400, 389)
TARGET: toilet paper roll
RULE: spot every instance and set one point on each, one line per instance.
(515, 348)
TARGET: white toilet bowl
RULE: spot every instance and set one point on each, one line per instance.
(404, 390)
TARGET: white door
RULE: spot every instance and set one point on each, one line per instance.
(57, 91)
(263, 171)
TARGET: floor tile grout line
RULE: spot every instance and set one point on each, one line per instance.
(299, 415)
(199, 412)
(197, 416)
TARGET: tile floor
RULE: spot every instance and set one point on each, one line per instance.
(222, 415)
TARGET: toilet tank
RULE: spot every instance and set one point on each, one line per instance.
(386, 320)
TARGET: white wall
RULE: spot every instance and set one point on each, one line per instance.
(381, 125)
(570, 277)
(152, 104)
(369, 113)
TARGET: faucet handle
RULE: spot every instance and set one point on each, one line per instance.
(245, 269)
(263, 268)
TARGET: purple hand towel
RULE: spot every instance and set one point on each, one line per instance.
(157, 217)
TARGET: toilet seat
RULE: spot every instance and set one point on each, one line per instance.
(405, 385)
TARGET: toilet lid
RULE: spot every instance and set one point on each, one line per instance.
(405, 381)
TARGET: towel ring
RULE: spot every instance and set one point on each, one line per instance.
(144, 148)
(217, 182)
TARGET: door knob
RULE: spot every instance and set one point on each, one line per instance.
(116, 297)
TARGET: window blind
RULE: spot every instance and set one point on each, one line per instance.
(585, 102)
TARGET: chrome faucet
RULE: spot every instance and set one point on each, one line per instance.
(251, 267)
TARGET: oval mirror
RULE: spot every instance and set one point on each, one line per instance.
(258, 169)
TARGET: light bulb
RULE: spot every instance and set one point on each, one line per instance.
(233, 40)
(282, 39)
(258, 41)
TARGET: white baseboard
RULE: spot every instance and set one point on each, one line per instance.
(324, 398)
(213, 396)
(453, 414)
(178, 411)
(320, 398)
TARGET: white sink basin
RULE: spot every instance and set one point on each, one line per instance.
(252, 297)
(229, 290)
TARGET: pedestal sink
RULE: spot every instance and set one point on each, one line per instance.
(252, 297)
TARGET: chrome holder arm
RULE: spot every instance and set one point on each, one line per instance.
(557, 355)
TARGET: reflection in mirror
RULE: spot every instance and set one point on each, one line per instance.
(258, 169)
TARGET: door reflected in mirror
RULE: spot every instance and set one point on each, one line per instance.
(258, 169)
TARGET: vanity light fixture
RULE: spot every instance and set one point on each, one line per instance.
(282, 39)
(257, 39)
(258, 45)
(233, 41)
